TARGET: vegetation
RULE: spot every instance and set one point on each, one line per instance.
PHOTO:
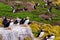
(35, 26)
(5, 10)
(48, 28)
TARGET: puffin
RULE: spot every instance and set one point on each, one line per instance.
(22, 21)
(47, 37)
(5, 21)
(52, 36)
(26, 21)
(18, 19)
(11, 23)
(15, 22)
(41, 33)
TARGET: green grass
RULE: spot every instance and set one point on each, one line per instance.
(5, 10)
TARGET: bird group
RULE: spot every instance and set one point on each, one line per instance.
(48, 37)
(26, 21)
(7, 23)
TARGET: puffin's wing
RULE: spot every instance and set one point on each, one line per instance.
(38, 34)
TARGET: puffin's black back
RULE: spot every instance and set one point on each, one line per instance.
(38, 33)
(22, 21)
(48, 36)
(8, 23)
(5, 21)
(16, 22)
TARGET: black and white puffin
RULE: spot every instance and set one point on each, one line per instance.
(41, 33)
(22, 21)
(11, 23)
(26, 20)
(18, 19)
(47, 37)
(52, 36)
(15, 22)
(5, 21)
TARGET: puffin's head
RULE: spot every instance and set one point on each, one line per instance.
(42, 30)
(27, 17)
(52, 34)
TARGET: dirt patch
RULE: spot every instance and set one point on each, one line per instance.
(45, 16)
(56, 23)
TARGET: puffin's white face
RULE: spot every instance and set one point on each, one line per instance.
(41, 34)
(11, 23)
(46, 37)
(38, 4)
(52, 37)
(18, 24)
(26, 22)
(27, 17)
(11, 7)
(45, 4)
(18, 18)
(14, 11)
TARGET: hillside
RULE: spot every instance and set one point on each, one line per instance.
(5, 10)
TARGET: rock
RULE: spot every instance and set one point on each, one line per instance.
(46, 17)
(56, 23)
(0, 37)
